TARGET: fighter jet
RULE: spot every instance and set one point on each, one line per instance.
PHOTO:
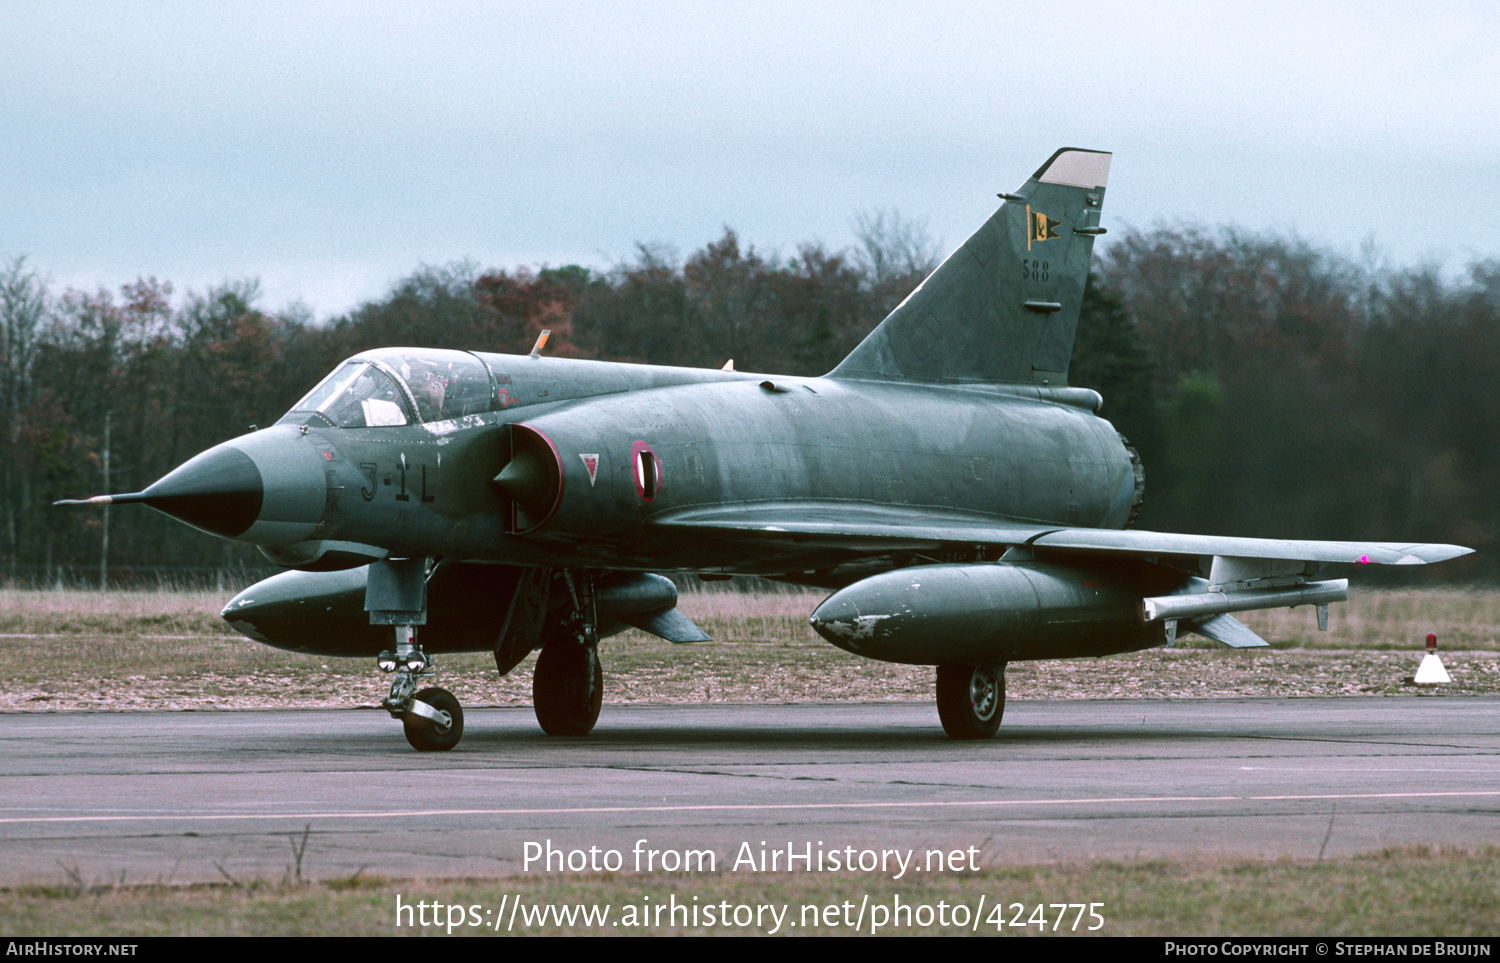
(965, 505)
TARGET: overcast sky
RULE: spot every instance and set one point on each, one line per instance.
(330, 148)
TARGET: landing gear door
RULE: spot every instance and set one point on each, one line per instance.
(522, 631)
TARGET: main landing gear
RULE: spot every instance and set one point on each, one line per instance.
(971, 699)
(567, 688)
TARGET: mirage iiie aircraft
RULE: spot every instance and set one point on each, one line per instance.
(968, 506)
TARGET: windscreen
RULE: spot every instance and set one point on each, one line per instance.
(363, 393)
(446, 384)
(358, 395)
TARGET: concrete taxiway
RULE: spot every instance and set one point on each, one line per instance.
(187, 796)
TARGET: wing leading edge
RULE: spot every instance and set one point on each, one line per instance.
(1220, 574)
(861, 526)
(1131, 541)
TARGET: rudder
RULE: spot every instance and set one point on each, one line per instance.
(1004, 306)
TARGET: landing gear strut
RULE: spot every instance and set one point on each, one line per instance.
(432, 718)
(396, 595)
(567, 687)
(971, 699)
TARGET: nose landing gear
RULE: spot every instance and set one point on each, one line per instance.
(396, 595)
(432, 718)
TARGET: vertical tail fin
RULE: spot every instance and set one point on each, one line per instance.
(1004, 306)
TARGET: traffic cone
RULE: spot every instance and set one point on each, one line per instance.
(1431, 671)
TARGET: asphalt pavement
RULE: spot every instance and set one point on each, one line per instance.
(187, 796)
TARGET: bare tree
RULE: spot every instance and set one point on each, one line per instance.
(892, 248)
(23, 305)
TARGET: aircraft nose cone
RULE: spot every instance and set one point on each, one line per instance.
(268, 488)
(219, 491)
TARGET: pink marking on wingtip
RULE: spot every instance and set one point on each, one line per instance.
(1364, 560)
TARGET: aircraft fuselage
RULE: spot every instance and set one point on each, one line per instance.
(645, 448)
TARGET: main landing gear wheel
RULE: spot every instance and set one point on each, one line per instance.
(430, 735)
(567, 688)
(971, 699)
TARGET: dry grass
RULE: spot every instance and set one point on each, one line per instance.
(82, 612)
(1464, 620)
(162, 650)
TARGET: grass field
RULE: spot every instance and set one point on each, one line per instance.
(163, 650)
(1465, 619)
(1394, 893)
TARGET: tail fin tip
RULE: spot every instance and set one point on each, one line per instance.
(1076, 167)
(1004, 307)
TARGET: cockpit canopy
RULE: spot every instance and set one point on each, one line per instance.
(400, 386)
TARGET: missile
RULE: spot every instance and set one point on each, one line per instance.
(1207, 604)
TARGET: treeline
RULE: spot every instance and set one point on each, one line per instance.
(1273, 389)
(1295, 394)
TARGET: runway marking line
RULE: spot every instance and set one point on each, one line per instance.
(1488, 770)
(731, 807)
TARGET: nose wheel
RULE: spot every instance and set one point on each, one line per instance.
(396, 595)
(435, 721)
